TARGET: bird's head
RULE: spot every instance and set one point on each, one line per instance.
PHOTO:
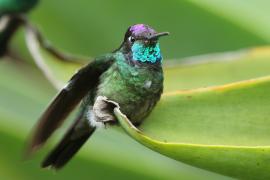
(141, 43)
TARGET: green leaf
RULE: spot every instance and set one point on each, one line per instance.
(243, 13)
(216, 69)
(223, 129)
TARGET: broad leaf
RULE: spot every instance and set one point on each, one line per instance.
(223, 129)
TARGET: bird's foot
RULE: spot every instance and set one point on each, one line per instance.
(101, 114)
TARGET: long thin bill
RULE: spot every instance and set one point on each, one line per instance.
(158, 35)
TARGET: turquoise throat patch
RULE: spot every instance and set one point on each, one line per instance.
(146, 54)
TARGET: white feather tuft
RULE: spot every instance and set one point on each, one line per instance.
(92, 119)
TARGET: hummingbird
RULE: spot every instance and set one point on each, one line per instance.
(131, 75)
(10, 19)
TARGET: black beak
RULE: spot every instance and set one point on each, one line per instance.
(158, 35)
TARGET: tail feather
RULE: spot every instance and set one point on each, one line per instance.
(73, 140)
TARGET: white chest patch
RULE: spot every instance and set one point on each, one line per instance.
(147, 84)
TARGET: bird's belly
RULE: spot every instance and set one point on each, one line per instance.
(135, 101)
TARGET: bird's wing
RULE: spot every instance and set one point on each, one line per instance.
(82, 82)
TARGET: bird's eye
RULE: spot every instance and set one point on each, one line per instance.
(131, 39)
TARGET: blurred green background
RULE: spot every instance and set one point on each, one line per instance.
(94, 27)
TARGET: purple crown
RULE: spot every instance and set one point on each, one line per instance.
(139, 29)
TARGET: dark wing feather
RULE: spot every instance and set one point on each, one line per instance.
(82, 82)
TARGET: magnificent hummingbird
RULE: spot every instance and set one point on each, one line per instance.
(131, 75)
(10, 19)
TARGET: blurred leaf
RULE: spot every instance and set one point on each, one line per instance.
(194, 28)
(250, 15)
(217, 69)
